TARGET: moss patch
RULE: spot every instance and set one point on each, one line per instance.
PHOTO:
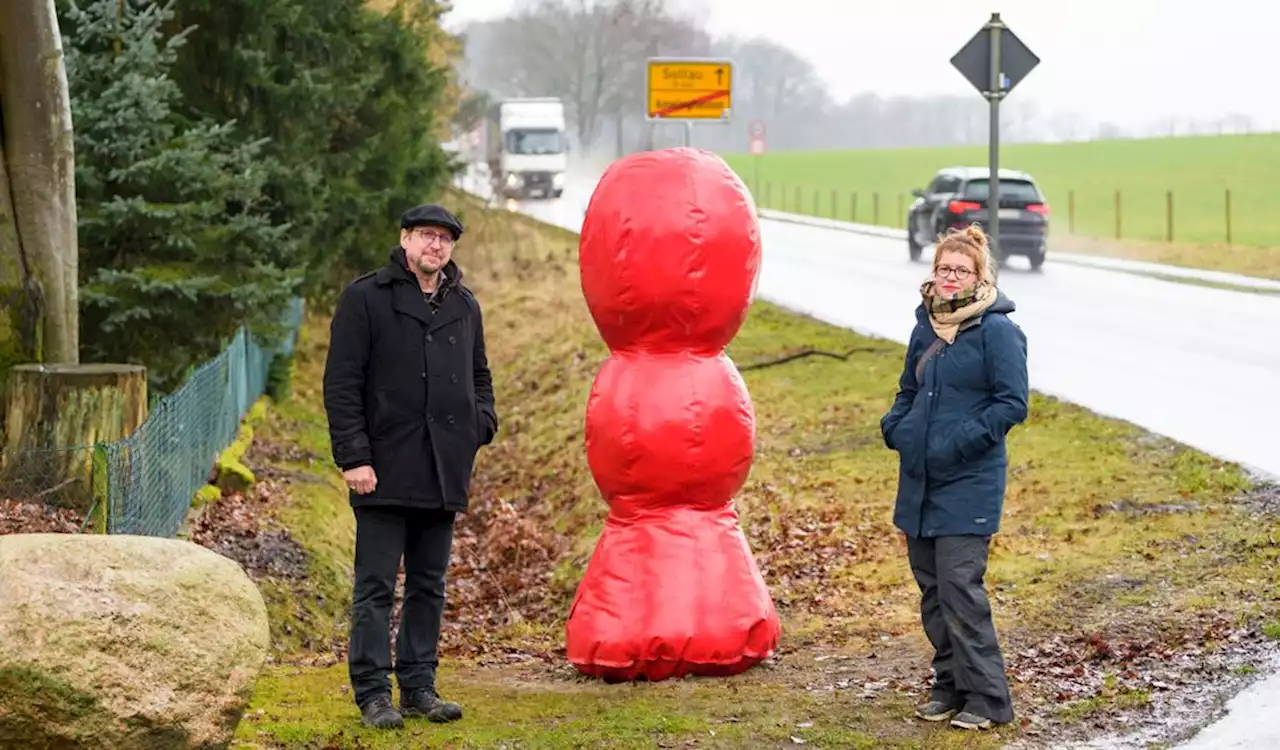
(42, 711)
(35, 701)
(745, 711)
(232, 474)
(205, 495)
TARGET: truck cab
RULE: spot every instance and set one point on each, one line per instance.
(527, 147)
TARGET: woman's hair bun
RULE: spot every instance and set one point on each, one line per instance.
(974, 233)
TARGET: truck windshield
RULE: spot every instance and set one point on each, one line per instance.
(535, 142)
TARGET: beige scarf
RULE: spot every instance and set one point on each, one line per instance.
(946, 315)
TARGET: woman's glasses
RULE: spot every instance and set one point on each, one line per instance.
(960, 272)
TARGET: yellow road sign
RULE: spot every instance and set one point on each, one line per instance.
(689, 89)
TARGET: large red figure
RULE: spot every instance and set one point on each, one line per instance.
(669, 255)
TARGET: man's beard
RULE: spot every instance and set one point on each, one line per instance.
(429, 265)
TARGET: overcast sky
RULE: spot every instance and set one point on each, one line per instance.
(1127, 61)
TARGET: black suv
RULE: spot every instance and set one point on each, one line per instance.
(957, 197)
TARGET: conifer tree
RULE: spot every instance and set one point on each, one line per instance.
(351, 103)
(179, 244)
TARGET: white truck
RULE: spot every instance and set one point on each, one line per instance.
(526, 147)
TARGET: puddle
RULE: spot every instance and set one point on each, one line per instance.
(1235, 723)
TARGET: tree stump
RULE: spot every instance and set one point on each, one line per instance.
(55, 416)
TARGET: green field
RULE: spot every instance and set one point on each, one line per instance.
(1198, 171)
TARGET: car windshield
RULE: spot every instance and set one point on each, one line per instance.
(546, 141)
(1020, 191)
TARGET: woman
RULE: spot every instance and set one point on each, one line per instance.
(963, 388)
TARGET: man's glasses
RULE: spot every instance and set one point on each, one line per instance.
(428, 236)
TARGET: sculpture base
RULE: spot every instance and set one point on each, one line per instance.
(674, 593)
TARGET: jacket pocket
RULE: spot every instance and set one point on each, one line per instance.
(479, 421)
(944, 447)
(905, 437)
(392, 415)
(376, 414)
(971, 442)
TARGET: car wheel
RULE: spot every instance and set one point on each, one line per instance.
(1037, 260)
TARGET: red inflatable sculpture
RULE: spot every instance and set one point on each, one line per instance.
(670, 254)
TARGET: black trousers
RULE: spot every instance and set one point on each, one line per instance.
(384, 534)
(968, 667)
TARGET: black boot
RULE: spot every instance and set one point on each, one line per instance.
(379, 713)
(427, 702)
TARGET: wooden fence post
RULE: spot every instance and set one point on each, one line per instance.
(1117, 214)
(1228, 216)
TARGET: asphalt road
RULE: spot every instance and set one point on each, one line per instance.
(1197, 364)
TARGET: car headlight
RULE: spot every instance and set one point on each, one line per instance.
(557, 180)
(513, 179)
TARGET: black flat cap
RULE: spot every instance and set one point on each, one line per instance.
(431, 215)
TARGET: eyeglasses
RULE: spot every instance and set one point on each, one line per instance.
(960, 272)
(426, 235)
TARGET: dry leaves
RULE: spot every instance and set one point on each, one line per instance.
(34, 517)
(238, 526)
(804, 553)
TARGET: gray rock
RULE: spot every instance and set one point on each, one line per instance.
(115, 642)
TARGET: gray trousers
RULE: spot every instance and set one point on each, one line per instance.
(384, 535)
(968, 666)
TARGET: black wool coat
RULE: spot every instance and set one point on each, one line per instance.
(407, 387)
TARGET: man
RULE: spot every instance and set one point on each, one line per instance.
(409, 399)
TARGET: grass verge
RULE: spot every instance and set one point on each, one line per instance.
(1124, 558)
(1082, 181)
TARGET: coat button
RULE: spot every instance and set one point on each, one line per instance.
(450, 419)
(430, 418)
(452, 340)
(428, 338)
(453, 378)
(424, 374)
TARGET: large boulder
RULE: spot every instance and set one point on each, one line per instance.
(116, 642)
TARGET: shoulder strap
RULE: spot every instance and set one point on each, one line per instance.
(933, 349)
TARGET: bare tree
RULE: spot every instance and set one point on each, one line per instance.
(592, 54)
(571, 49)
(38, 168)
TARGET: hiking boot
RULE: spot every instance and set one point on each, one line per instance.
(971, 721)
(379, 713)
(427, 702)
(935, 711)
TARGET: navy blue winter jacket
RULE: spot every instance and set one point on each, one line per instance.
(949, 428)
